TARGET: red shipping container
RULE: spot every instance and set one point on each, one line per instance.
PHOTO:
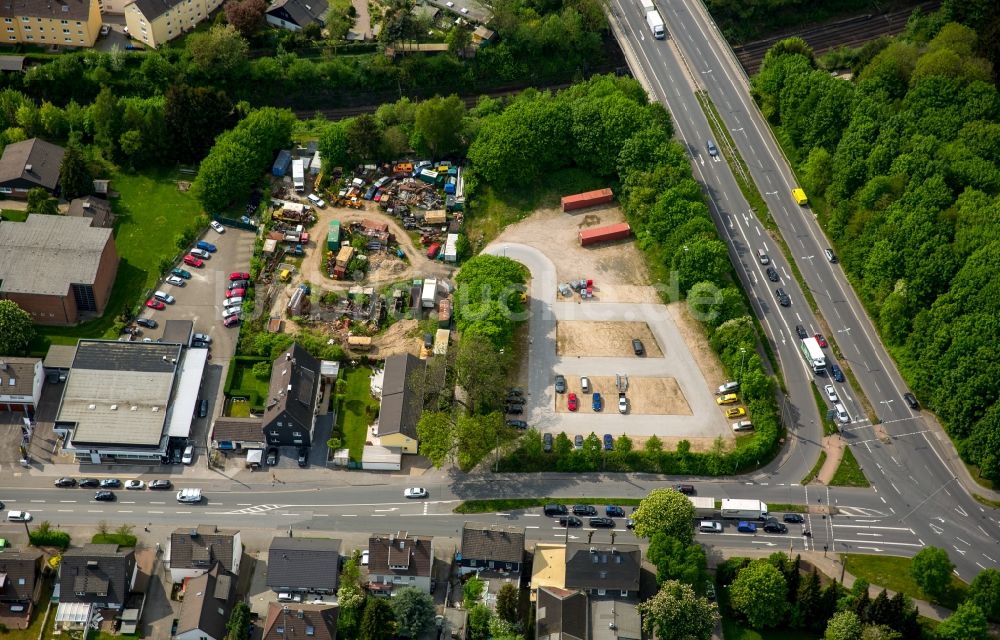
(588, 199)
(604, 234)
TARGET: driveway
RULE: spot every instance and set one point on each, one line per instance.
(545, 310)
(200, 301)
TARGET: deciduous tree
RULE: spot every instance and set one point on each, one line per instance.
(436, 434)
(247, 16)
(676, 613)
(414, 611)
(378, 621)
(194, 117)
(218, 53)
(41, 202)
(966, 623)
(985, 593)
(507, 599)
(931, 570)
(677, 560)
(759, 593)
(479, 622)
(438, 124)
(665, 511)
(843, 626)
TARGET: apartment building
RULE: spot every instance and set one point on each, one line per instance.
(64, 23)
(153, 22)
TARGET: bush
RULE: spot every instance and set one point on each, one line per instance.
(43, 536)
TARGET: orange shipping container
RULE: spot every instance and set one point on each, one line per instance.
(604, 234)
(588, 199)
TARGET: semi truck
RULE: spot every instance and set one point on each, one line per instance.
(655, 23)
(813, 354)
(703, 507)
(743, 509)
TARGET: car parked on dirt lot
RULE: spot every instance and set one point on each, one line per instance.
(560, 383)
(637, 347)
(517, 424)
(596, 403)
(609, 442)
(316, 200)
(736, 412)
(728, 398)
(572, 403)
(728, 387)
(622, 404)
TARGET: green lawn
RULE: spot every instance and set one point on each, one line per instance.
(121, 539)
(733, 630)
(14, 215)
(849, 473)
(815, 470)
(151, 212)
(357, 410)
(893, 573)
(245, 380)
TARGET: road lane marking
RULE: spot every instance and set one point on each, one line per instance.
(902, 544)
(156, 512)
(39, 501)
(64, 510)
(121, 511)
(68, 501)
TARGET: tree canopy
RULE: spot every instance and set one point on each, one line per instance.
(676, 613)
(759, 593)
(665, 511)
(16, 329)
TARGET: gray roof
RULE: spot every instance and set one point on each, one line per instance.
(96, 210)
(612, 618)
(303, 12)
(201, 547)
(238, 430)
(603, 566)
(17, 376)
(400, 408)
(294, 386)
(60, 356)
(492, 542)
(18, 572)
(11, 63)
(89, 571)
(178, 331)
(152, 9)
(35, 160)
(208, 601)
(561, 614)
(303, 563)
(46, 254)
(118, 392)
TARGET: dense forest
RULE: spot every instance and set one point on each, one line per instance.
(904, 161)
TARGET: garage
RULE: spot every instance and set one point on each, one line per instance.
(375, 458)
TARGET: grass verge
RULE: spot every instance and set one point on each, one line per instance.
(829, 426)
(974, 471)
(849, 473)
(786, 507)
(508, 504)
(986, 501)
(357, 410)
(893, 573)
(809, 477)
(14, 215)
(121, 539)
(152, 212)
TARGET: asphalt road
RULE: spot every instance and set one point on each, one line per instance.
(906, 464)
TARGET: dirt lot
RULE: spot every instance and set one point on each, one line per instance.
(401, 337)
(619, 275)
(694, 337)
(648, 396)
(603, 339)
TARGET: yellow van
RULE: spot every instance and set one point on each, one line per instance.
(800, 196)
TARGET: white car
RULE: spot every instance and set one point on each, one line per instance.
(18, 516)
(218, 227)
(729, 387)
(189, 496)
(622, 404)
(232, 311)
(188, 456)
(177, 281)
(831, 393)
(449, 4)
(710, 526)
(135, 485)
(415, 492)
(200, 253)
(316, 200)
(364, 558)
(464, 10)
(105, 29)
(235, 301)
(164, 297)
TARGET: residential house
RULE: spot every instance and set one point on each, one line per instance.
(21, 381)
(296, 15)
(20, 586)
(604, 569)
(94, 576)
(548, 567)
(237, 434)
(566, 614)
(96, 210)
(154, 22)
(57, 268)
(400, 407)
(293, 398)
(191, 552)
(64, 23)
(399, 560)
(492, 548)
(303, 565)
(208, 601)
(296, 621)
(29, 164)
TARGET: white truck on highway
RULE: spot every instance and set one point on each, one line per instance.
(703, 507)
(813, 354)
(743, 509)
(645, 6)
(655, 23)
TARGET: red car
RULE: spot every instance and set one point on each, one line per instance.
(239, 275)
(191, 261)
(432, 251)
(572, 403)
(155, 304)
(230, 321)
(820, 339)
(232, 293)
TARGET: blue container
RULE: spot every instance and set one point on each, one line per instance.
(281, 164)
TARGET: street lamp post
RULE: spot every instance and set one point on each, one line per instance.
(743, 353)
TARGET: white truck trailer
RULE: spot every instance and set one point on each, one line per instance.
(703, 507)
(743, 509)
(298, 174)
(655, 23)
(645, 6)
(813, 354)
(428, 293)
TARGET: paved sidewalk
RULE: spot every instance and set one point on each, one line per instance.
(834, 448)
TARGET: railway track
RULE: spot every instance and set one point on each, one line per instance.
(849, 32)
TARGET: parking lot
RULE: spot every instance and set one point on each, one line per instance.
(599, 339)
(646, 395)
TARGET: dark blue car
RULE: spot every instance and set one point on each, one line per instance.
(609, 442)
(613, 511)
(206, 246)
(598, 404)
(837, 374)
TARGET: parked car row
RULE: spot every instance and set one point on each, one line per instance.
(112, 483)
(567, 516)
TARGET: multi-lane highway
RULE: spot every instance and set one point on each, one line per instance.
(902, 454)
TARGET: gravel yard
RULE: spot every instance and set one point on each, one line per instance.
(646, 396)
(603, 339)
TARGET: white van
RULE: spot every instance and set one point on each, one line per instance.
(841, 413)
(743, 425)
(189, 496)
